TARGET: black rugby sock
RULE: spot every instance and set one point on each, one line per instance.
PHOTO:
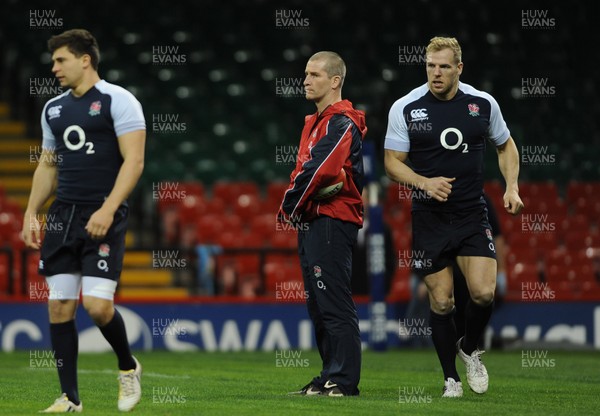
(477, 318)
(116, 335)
(443, 334)
(65, 344)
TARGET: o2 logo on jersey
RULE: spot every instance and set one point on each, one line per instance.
(81, 140)
(459, 141)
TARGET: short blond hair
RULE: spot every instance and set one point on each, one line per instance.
(334, 64)
(439, 43)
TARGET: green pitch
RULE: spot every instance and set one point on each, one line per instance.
(239, 383)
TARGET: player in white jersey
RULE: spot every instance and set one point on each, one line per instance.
(93, 148)
(435, 144)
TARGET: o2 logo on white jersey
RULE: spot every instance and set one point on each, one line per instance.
(79, 144)
(459, 141)
(419, 114)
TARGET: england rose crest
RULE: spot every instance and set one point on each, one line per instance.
(473, 109)
(95, 108)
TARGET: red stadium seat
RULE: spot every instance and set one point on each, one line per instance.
(576, 240)
(190, 210)
(588, 207)
(208, 228)
(12, 207)
(230, 239)
(510, 225)
(575, 223)
(247, 206)
(494, 189)
(576, 190)
(194, 189)
(248, 264)
(216, 205)
(546, 191)
(284, 239)
(283, 275)
(544, 242)
(275, 190)
(262, 227)
(249, 240)
(10, 225)
(517, 255)
(229, 192)
(520, 274)
(4, 272)
(556, 210)
(577, 273)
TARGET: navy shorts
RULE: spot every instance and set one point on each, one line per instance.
(440, 237)
(68, 248)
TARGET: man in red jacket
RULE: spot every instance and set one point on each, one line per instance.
(327, 228)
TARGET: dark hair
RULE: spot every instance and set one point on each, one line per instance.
(79, 42)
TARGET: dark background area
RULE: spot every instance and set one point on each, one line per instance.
(225, 92)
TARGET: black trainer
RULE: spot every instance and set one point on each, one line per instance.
(332, 390)
(310, 389)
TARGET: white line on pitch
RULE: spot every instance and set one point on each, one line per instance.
(107, 371)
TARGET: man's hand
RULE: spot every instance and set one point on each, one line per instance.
(439, 188)
(31, 231)
(99, 223)
(512, 202)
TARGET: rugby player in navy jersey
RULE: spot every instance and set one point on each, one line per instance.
(93, 155)
(435, 144)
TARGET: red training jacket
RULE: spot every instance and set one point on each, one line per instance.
(330, 141)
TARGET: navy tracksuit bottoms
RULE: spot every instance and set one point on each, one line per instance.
(325, 250)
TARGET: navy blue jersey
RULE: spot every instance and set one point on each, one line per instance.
(446, 138)
(83, 131)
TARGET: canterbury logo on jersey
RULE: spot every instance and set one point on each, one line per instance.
(54, 112)
(418, 114)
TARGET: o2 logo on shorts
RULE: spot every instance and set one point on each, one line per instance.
(492, 248)
(102, 265)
